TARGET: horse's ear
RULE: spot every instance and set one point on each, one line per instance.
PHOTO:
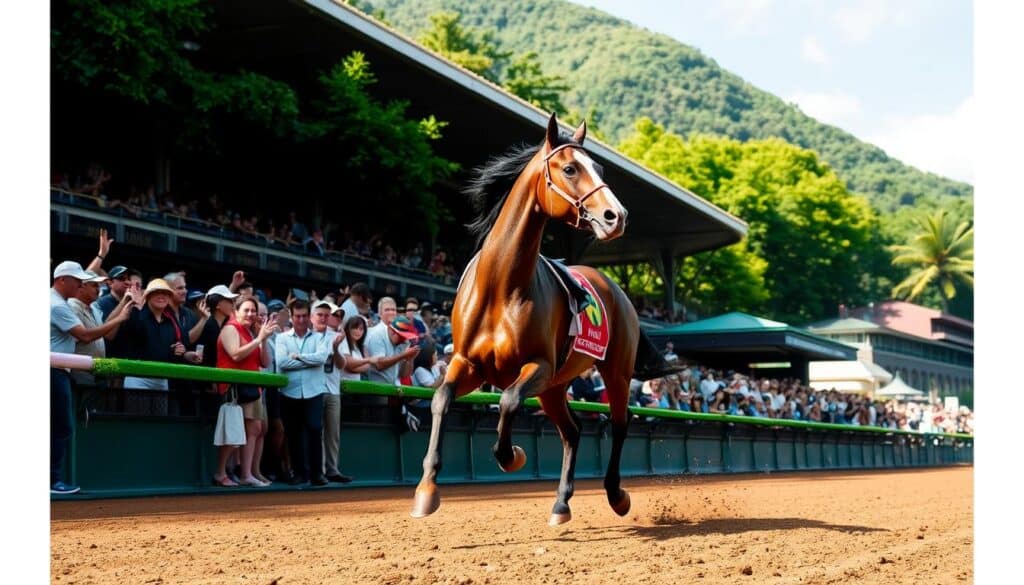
(552, 136)
(581, 133)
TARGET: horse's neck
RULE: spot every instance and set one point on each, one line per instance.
(508, 257)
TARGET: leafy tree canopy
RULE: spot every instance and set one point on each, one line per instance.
(142, 52)
(808, 235)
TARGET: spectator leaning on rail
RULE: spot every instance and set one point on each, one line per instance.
(333, 366)
(238, 349)
(65, 330)
(300, 356)
(155, 335)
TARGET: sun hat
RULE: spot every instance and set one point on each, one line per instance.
(157, 285)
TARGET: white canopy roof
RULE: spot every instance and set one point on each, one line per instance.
(847, 376)
(899, 388)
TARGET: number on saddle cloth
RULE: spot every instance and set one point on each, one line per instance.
(575, 289)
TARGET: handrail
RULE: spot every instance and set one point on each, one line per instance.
(478, 397)
(123, 367)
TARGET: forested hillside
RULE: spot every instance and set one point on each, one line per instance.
(618, 72)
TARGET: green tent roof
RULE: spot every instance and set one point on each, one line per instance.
(728, 322)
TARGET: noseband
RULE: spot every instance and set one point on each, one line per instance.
(581, 212)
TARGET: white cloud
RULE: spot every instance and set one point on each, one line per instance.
(838, 109)
(857, 21)
(813, 52)
(940, 143)
(740, 16)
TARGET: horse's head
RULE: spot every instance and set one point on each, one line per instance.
(573, 190)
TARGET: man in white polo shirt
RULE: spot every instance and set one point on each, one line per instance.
(65, 330)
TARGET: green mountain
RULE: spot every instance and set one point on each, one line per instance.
(619, 72)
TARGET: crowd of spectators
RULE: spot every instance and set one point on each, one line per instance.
(701, 389)
(291, 232)
(292, 433)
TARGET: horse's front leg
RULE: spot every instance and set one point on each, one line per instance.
(533, 378)
(460, 380)
(568, 424)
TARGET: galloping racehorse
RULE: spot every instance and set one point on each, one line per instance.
(511, 318)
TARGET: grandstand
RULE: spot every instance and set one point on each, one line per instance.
(293, 41)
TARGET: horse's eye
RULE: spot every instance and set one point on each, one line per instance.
(569, 170)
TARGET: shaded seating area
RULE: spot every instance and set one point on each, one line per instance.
(742, 342)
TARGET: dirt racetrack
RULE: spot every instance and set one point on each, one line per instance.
(865, 527)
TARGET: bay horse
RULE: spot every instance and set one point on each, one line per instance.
(511, 317)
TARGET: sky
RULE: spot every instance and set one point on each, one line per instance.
(895, 73)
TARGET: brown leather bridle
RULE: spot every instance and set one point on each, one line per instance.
(581, 212)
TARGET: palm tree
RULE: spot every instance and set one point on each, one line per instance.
(941, 254)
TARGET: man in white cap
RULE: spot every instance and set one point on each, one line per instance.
(65, 330)
(84, 305)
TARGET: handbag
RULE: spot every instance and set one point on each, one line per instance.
(230, 428)
(246, 393)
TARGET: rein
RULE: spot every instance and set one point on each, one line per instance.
(581, 212)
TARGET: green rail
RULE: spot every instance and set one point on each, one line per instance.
(478, 397)
(120, 367)
(379, 452)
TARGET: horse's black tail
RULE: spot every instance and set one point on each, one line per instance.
(650, 363)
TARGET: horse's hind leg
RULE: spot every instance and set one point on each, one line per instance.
(532, 379)
(459, 380)
(617, 388)
(557, 408)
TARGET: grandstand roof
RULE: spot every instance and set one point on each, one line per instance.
(484, 119)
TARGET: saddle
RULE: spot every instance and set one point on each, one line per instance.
(579, 298)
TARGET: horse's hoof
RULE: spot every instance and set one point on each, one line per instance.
(621, 507)
(426, 501)
(518, 460)
(557, 519)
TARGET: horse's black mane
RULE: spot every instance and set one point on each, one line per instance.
(492, 182)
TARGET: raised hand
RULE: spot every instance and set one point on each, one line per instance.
(237, 279)
(269, 328)
(203, 309)
(105, 243)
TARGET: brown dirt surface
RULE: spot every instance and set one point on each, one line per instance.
(913, 526)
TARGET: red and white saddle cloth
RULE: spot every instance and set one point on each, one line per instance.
(592, 332)
(590, 325)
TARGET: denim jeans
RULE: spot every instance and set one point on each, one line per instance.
(60, 421)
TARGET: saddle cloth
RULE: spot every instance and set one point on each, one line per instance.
(590, 320)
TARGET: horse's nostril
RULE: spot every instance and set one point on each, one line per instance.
(610, 216)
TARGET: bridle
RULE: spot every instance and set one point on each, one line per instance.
(581, 212)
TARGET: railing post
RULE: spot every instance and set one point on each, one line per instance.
(726, 447)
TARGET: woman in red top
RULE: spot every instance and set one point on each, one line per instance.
(237, 349)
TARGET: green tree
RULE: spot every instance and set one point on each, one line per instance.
(942, 255)
(141, 52)
(388, 157)
(809, 239)
(525, 78)
(477, 52)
